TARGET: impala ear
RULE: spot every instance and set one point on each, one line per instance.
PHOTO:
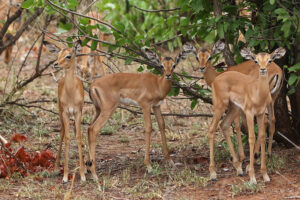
(247, 54)
(187, 49)
(77, 47)
(278, 53)
(153, 57)
(218, 47)
(51, 47)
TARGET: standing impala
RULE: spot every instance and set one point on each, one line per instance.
(251, 68)
(238, 90)
(70, 102)
(146, 90)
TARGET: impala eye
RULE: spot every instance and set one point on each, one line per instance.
(68, 57)
(256, 61)
(209, 58)
(269, 61)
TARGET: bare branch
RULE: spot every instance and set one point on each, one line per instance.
(81, 15)
(154, 11)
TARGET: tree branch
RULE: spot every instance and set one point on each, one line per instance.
(154, 11)
(37, 12)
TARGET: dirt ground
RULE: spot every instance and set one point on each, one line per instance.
(120, 152)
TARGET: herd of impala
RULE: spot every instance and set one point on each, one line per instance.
(246, 90)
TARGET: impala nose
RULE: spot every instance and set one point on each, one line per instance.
(168, 76)
(263, 71)
(202, 69)
(56, 66)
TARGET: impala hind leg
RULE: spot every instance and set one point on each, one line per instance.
(79, 143)
(271, 130)
(161, 125)
(93, 130)
(237, 125)
(225, 126)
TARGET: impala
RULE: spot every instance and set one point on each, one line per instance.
(252, 95)
(70, 102)
(146, 90)
(87, 69)
(250, 68)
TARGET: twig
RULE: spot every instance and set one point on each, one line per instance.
(3, 140)
(154, 11)
(159, 43)
(29, 51)
(22, 29)
(285, 178)
(287, 139)
(81, 15)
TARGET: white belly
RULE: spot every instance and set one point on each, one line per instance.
(128, 101)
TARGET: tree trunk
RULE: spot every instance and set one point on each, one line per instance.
(226, 52)
(295, 98)
(283, 119)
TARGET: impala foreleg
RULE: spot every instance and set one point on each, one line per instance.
(161, 125)
(65, 119)
(225, 126)
(79, 143)
(262, 136)
(61, 139)
(250, 124)
(148, 129)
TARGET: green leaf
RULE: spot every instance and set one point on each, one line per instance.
(128, 61)
(184, 21)
(84, 21)
(174, 91)
(27, 4)
(140, 69)
(94, 45)
(292, 90)
(295, 68)
(67, 26)
(220, 30)
(194, 103)
(292, 79)
(272, 2)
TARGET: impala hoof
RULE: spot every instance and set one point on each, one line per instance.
(83, 179)
(253, 180)
(213, 176)
(266, 178)
(149, 169)
(171, 163)
(65, 180)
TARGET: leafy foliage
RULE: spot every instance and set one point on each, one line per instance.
(271, 25)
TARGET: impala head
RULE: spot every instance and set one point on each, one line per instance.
(263, 59)
(168, 64)
(204, 56)
(65, 56)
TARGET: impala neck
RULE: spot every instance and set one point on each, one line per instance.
(69, 74)
(165, 85)
(264, 84)
(210, 74)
